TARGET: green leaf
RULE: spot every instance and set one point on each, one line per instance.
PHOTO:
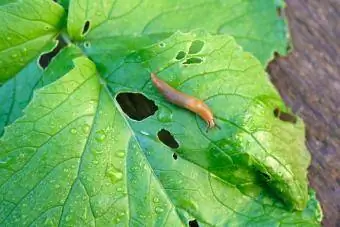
(16, 93)
(64, 3)
(251, 136)
(27, 27)
(76, 159)
(254, 24)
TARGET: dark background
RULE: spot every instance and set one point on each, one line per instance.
(308, 79)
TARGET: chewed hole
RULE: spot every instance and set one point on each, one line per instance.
(196, 47)
(265, 176)
(289, 47)
(193, 61)
(279, 11)
(168, 139)
(87, 44)
(283, 116)
(174, 156)
(136, 105)
(46, 58)
(193, 223)
(180, 55)
(86, 27)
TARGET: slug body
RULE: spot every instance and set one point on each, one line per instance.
(183, 100)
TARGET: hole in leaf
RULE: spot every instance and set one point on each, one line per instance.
(174, 156)
(283, 116)
(279, 11)
(46, 58)
(193, 61)
(289, 47)
(87, 44)
(165, 137)
(193, 223)
(86, 27)
(136, 106)
(180, 55)
(265, 176)
(196, 47)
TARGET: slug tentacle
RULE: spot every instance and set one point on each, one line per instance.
(186, 101)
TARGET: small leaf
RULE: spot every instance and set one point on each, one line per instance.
(28, 26)
(17, 92)
(254, 24)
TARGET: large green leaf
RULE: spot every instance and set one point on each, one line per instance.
(254, 24)
(76, 159)
(234, 84)
(16, 93)
(27, 26)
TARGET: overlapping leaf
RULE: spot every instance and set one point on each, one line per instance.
(254, 24)
(16, 93)
(27, 27)
(75, 158)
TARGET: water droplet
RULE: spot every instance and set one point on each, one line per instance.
(114, 174)
(120, 154)
(159, 209)
(24, 49)
(8, 38)
(68, 218)
(144, 133)
(119, 189)
(86, 128)
(73, 130)
(164, 115)
(162, 45)
(156, 200)
(14, 55)
(100, 136)
(97, 151)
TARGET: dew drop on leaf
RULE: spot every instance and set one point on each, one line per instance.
(156, 200)
(100, 136)
(144, 133)
(114, 175)
(120, 154)
(97, 151)
(164, 115)
(86, 128)
(159, 209)
(73, 130)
